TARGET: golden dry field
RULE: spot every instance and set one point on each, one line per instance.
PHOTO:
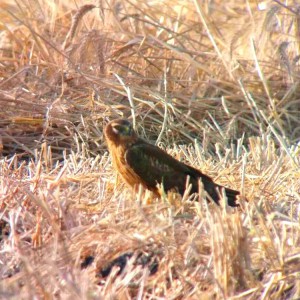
(214, 83)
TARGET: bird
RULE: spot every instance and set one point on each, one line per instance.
(139, 162)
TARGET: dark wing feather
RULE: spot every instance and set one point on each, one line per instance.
(154, 166)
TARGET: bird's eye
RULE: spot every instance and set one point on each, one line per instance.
(122, 130)
(117, 129)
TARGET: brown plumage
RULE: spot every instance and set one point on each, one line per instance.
(139, 162)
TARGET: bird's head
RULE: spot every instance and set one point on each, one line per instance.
(119, 131)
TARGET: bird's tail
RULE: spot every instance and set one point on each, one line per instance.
(232, 197)
(215, 191)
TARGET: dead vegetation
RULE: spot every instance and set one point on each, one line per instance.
(215, 84)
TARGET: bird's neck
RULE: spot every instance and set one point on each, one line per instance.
(120, 148)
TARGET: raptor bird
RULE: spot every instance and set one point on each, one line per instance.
(140, 162)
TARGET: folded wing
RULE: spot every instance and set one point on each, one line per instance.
(154, 166)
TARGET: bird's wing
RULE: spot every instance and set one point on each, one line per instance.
(154, 166)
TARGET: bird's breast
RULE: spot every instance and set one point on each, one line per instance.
(120, 163)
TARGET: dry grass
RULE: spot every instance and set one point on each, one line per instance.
(214, 83)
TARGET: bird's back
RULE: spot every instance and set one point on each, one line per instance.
(155, 166)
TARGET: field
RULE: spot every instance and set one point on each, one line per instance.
(213, 83)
